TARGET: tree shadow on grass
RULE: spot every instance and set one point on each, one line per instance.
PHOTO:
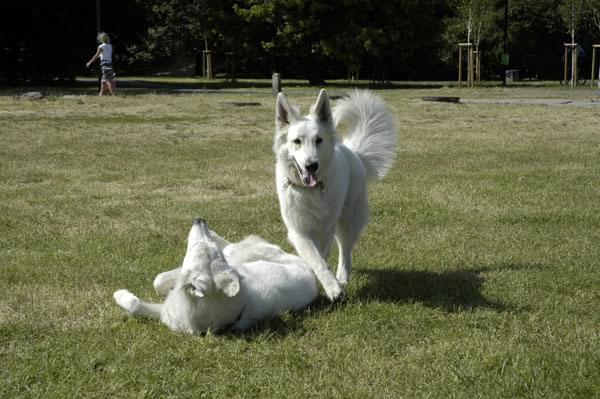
(451, 291)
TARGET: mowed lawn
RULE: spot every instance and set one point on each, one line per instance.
(478, 275)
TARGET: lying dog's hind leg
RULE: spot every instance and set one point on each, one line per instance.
(136, 307)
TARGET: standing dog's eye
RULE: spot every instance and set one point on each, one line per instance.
(296, 141)
(319, 140)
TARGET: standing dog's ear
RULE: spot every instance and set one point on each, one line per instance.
(284, 114)
(322, 109)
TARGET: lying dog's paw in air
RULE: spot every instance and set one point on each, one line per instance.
(126, 300)
(161, 284)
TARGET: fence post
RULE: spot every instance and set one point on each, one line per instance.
(276, 82)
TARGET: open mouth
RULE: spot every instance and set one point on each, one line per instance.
(307, 178)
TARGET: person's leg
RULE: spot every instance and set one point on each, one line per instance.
(102, 87)
(109, 86)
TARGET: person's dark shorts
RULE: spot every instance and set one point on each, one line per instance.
(107, 72)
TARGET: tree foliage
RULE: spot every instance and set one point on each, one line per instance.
(183, 29)
(536, 34)
(594, 7)
(314, 39)
(379, 36)
(572, 13)
(47, 41)
(476, 22)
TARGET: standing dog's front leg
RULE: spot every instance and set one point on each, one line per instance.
(307, 250)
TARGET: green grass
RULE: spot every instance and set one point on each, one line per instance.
(478, 275)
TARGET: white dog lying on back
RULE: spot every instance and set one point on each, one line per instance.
(223, 284)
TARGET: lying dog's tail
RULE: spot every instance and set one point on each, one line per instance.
(371, 132)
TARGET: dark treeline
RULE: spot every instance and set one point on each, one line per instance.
(43, 41)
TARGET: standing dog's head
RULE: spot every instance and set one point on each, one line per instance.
(205, 269)
(304, 144)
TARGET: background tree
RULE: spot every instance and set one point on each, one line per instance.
(54, 39)
(476, 22)
(475, 16)
(402, 38)
(385, 39)
(536, 34)
(314, 39)
(298, 33)
(572, 13)
(179, 30)
(44, 47)
(594, 8)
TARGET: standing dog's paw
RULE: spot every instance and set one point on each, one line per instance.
(340, 299)
(336, 295)
(126, 300)
(342, 277)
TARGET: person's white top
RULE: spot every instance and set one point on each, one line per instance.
(105, 53)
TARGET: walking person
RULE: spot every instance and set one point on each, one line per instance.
(105, 53)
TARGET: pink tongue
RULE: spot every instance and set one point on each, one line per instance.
(309, 180)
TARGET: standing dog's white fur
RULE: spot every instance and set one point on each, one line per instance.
(221, 285)
(322, 181)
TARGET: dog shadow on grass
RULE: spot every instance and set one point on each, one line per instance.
(451, 291)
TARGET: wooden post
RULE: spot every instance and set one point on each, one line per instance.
(574, 66)
(230, 63)
(207, 64)
(565, 66)
(459, 66)
(469, 47)
(573, 47)
(470, 67)
(478, 67)
(593, 73)
(276, 83)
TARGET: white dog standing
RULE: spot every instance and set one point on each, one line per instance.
(322, 181)
(222, 285)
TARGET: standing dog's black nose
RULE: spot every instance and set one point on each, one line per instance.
(312, 167)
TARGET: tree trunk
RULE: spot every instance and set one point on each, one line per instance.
(314, 72)
(315, 77)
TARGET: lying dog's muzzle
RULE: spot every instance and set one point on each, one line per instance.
(199, 221)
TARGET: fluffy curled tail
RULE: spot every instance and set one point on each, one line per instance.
(371, 131)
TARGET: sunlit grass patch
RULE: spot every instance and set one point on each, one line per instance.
(476, 277)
